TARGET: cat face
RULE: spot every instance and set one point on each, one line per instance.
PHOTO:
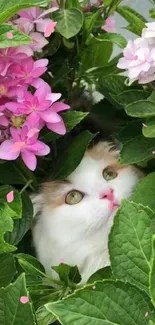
(79, 211)
(93, 192)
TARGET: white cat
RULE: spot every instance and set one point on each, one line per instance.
(76, 214)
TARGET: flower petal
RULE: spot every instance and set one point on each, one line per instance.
(29, 159)
(6, 152)
(49, 116)
(57, 127)
(59, 106)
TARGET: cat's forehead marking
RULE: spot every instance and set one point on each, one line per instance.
(103, 150)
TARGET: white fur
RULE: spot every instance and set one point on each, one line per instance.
(79, 233)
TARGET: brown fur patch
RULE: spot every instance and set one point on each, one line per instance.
(54, 192)
(103, 150)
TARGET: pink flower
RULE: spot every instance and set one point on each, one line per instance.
(149, 32)
(7, 87)
(33, 18)
(29, 70)
(41, 109)
(22, 143)
(39, 41)
(3, 120)
(139, 60)
(110, 25)
(13, 55)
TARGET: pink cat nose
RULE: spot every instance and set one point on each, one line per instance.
(107, 194)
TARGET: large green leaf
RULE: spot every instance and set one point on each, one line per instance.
(30, 265)
(21, 226)
(16, 204)
(117, 39)
(149, 129)
(7, 269)
(96, 54)
(69, 21)
(136, 21)
(111, 303)
(10, 7)
(130, 245)
(72, 156)
(129, 96)
(137, 149)
(152, 273)
(13, 172)
(44, 317)
(18, 38)
(141, 108)
(113, 83)
(144, 192)
(101, 274)
(12, 311)
(6, 224)
(130, 130)
(71, 119)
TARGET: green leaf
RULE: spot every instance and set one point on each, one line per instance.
(117, 39)
(22, 225)
(152, 273)
(10, 7)
(96, 54)
(111, 303)
(43, 295)
(130, 245)
(141, 108)
(152, 13)
(90, 21)
(144, 192)
(44, 317)
(16, 204)
(7, 269)
(137, 149)
(113, 83)
(129, 96)
(67, 274)
(149, 131)
(105, 273)
(6, 224)
(71, 119)
(130, 130)
(72, 156)
(18, 38)
(13, 173)
(135, 20)
(30, 265)
(113, 5)
(69, 21)
(12, 311)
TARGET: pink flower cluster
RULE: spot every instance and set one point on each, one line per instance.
(24, 113)
(139, 57)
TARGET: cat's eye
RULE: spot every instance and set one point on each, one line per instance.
(73, 197)
(109, 173)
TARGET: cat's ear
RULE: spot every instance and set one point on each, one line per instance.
(37, 201)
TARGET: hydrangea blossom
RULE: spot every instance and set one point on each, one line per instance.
(110, 25)
(23, 114)
(139, 57)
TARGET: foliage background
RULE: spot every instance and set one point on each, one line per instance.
(79, 56)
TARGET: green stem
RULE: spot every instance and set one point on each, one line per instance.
(77, 46)
(26, 185)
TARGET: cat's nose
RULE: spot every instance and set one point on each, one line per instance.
(107, 194)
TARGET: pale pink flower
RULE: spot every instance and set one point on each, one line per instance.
(110, 25)
(139, 60)
(22, 143)
(33, 18)
(149, 32)
(28, 70)
(39, 41)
